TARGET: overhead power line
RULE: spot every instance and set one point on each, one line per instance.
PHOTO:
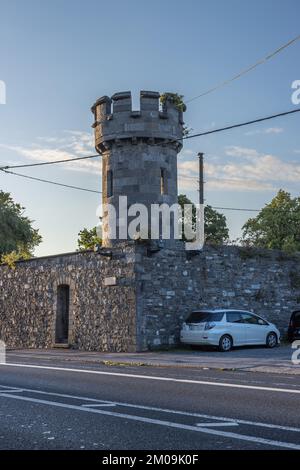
(192, 136)
(247, 123)
(41, 180)
(245, 71)
(49, 163)
(51, 182)
(213, 131)
(100, 192)
(235, 209)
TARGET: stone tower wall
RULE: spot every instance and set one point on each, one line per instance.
(139, 151)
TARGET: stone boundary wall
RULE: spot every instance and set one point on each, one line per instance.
(132, 298)
(171, 286)
(102, 315)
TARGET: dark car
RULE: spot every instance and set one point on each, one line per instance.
(294, 326)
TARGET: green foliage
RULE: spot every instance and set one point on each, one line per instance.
(17, 236)
(249, 252)
(245, 253)
(215, 225)
(88, 239)
(11, 258)
(176, 99)
(216, 230)
(277, 226)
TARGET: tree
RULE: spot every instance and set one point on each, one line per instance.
(88, 239)
(277, 226)
(17, 236)
(215, 225)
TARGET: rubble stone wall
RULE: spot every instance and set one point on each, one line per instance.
(132, 298)
(171, 286)
(102, 301)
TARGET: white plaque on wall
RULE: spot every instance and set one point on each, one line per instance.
(110, 281)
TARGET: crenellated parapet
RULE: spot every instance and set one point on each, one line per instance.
(139, 156)
(116, 121)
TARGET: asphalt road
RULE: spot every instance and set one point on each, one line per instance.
(51, 404)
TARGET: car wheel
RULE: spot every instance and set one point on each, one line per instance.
(272, 340)
(225, 343)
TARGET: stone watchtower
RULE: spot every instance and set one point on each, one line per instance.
(139, 151)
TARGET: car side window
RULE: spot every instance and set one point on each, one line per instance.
(234, 317)
(250, 319)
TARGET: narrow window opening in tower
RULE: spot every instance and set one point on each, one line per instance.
(110, 187)
(162, 181)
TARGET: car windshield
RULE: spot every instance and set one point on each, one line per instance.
(202, 317)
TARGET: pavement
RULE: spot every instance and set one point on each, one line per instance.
(254, 359)
(70, 400)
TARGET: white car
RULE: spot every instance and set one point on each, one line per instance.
(228, 328)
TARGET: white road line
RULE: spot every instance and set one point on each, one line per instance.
(165, 410)
(92, 405)
(153, 377)
(186, 427)
(256, 382)
(207, 425)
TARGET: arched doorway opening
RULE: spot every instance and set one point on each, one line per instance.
(62, 314)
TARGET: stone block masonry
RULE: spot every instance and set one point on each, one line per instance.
(101, 314)
(139, 155)
(134, 296)
(131, 298)
(172, 284)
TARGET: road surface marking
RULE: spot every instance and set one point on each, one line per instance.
(206, 425)
(170, 424)
(99, 404)
(153, 377)
(238, 372)
(165, 410)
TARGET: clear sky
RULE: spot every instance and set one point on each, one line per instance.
(57, 57)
